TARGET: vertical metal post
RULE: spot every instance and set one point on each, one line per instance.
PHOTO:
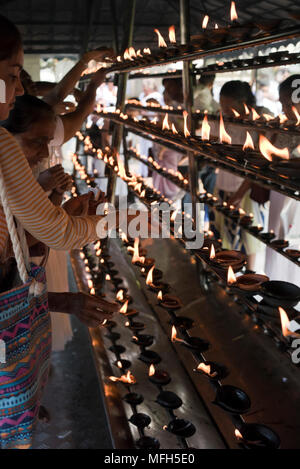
(122, 82)
(188, 95)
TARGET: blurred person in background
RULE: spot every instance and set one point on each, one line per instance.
(203, 95)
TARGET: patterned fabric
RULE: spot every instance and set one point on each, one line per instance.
(25, 329)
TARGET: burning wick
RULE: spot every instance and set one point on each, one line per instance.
(248, 142)
(174, 337)
(186, 132)
(120, 295)
(255, 115)
(238, 434)
(165, 124)
(285, 322)
(267, 149)
(205, 129)
(149, 279)
(247, 112)
(119, 364)
(231, 279)
(174, 129)
(212, 254)
(205, 21)
(152, 370)
(160, 295)
(127, 379)
(236, 114)
(161, 41)
(172, 35)
(206, 369)
(294, 109)
(224, 136)
(233, 13)
(123, 310)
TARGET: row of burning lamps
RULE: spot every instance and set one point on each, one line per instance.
(131, 54)
(267, 149)
(173, 303)
(251, 115)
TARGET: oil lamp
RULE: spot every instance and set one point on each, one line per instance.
(232, 399)
(149, 357)
(169, 301)
(147, 443)
(133, 398)
(256, 436)
(181, 427)
(143, 340)
(169, 400)
(140, 420)
(158, 377)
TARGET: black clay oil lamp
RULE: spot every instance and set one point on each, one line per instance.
(135, 326)
(279, 244)
(181, 427)
(293, 253)
(149, 356)
(147, 443)
(246, 220)
(110, 325)
(267, 236)
(257, 436)
(194, 343)
(169, 301)
(278, 293)
(158, 377)
(212, 370)
(250, 282)
(156, 274)
(232, 400)
(143, 340)
(113, 336)
(117, 349)
(182, 322)
(256, 229)
(133, 398)
(169, 399)
(140, 420)
(122, 364)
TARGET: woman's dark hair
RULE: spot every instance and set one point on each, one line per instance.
(240, 91)
(10, 38)
(27, 111)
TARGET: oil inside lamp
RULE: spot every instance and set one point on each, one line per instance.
(161, 41)
(231, 279)
(248, 143)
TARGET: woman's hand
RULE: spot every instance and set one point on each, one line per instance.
(98, 55)
(91, 310)
(78, 206)
(52, 178)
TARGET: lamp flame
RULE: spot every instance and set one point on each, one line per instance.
(174, 337)
(236, 114)
(231, 279)
(255, 114)
(161, 41)
(172, 35)
(284, 322)
(151, 370)
(233, 13)
(205, 21)
(294, 109)
(124, 308)
(224, 136)
(132, 53)
(124, 238)
(160, 295)
(212, 254)
(127, 379)
(119, 363)
(247, 111)
(149, 279)
(205, 368)
(238, 434)
(165, 124)
(186, 132)
(205, 129)
(248, 142)
(154, 121)
(267, 149)
(174, 130)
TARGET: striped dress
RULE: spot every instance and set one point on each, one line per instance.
(31, 206)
